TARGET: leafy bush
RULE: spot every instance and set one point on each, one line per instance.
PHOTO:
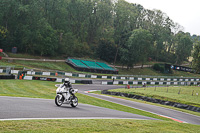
(158, 67)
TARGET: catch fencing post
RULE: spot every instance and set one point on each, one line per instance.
(192, 92)
(179, 91)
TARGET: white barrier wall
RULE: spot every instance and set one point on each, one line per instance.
(94, 76)
(104, 83)
(46, 73)
(14, 71)
(82, 75)
(123, 78)
(30, 72)
(28, 77)
(72, 81)
(148, 79)
(68, 74)
(58, 80)
(116, 82)
(104, 77)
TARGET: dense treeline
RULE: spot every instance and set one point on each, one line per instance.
(112, 30)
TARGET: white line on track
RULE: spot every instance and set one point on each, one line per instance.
(73, 118)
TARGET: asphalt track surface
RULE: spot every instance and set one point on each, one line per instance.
(13, 108)
(19, 108)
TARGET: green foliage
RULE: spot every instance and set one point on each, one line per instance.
(137, 48)
(158, 67)
(196, 57)
(46, 40)
(3, 34)
(183, 48)
(106, 50)
(76, 28)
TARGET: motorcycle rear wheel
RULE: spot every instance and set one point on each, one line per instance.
(57, 101)
(74, 101)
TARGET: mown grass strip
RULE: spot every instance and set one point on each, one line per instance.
(97, 125)
(23, 88)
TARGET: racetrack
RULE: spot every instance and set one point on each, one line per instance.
(19, 108)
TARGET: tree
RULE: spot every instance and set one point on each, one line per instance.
(184, 46)
(196, 57)
(86, 27)
(159, 25)
(138, 47)
(125, 17)
(8, 18)
(3, 34)
(100, 19)
(106, 49)
(46, 40)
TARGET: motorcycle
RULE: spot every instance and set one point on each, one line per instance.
(65, 96)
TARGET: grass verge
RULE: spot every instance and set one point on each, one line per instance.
(101, 126)
(182, 94)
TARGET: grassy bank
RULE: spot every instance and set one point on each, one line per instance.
(102, 126)
(18, 64)
(152, 72)
(64, 67)
(189, 95)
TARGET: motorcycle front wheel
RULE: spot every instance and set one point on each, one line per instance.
(74, 101)
(58, 102)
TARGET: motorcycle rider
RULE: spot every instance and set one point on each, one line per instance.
(66, 94)
(67, 86)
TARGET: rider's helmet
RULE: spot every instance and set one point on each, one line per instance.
(66, 80)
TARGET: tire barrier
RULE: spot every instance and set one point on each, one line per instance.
(7, 76)
(149, 83)
(134, 77)
(44, 78)
(56, 79)
(148, 99)
(86, 81)
(159, 80)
